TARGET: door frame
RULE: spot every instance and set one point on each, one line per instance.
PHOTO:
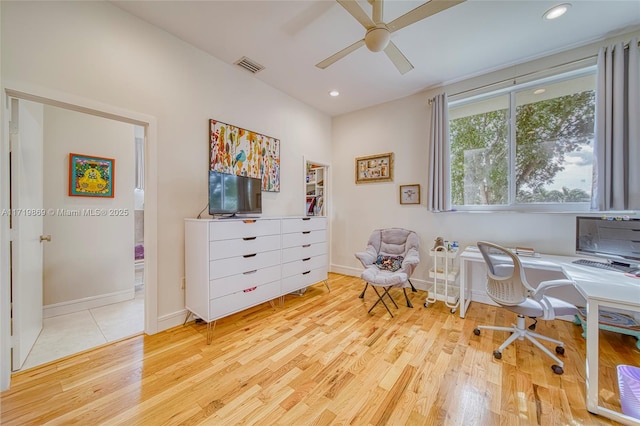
(74, 103)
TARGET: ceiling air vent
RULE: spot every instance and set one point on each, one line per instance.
(249, 65)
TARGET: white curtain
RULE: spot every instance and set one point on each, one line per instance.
(439, 194)
(617, 129)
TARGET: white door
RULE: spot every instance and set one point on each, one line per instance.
(26, 226)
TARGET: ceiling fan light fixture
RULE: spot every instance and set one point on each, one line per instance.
(377, 39)
(556, 11)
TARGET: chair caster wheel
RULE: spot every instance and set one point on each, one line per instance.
(453, 311)
(497, 354)
(426, 305)
(476, 331)
(560, 350)
(557, 369)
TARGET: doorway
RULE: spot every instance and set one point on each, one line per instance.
(68, 212)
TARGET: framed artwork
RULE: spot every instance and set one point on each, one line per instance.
(91, 176)
(374, 168)
(242, 152)
(410, 194)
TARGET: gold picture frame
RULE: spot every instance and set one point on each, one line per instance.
(410, 194)
(374, 168)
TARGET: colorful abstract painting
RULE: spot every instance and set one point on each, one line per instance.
(91, 176)
(242, 152)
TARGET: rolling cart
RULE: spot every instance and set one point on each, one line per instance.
(444, 273)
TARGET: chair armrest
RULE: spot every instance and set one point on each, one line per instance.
(367, 257)
(412, 258)
(545, 285)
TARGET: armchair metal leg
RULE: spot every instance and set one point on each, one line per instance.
(413, 289)
(365, 289)
(407, 298)
(386, 291)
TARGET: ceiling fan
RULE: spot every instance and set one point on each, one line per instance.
(378, 35)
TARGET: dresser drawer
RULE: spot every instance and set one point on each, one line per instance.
(222, 249)
(300, 252)
(298, 224)
(304, 279)
(304, 265)
(302, 238)
(235, 283)
(232, 303)
(237, 265)
(227, 229)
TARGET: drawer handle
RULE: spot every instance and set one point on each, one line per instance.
(306, 258)
(305, 273)
(306, 232)
(249, 290)
(249, 255)
(306, 245)
(249, 221)
(249, 238)
(250, 272)
(306, 218)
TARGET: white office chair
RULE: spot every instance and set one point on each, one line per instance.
(508, 287)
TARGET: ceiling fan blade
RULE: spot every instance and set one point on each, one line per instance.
(421, 12)
(398, 59)
(341, 54)
(357, 12)
(377, 11)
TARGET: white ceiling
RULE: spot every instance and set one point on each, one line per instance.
(289, 37)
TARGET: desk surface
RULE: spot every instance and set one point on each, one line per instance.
(592, 283)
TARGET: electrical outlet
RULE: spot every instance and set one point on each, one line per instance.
(183, 281)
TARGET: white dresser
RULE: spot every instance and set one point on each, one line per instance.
(304, 252)
(234, 264)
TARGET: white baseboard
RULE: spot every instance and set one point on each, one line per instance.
(174, 319)
(78, 305)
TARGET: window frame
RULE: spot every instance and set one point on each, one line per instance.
(512, 90)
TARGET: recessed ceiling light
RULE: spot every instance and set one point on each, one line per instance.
(557, 11)
(334, 93)
(539, 91)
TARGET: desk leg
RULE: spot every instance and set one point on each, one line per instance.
(463, 287)
(591, 375)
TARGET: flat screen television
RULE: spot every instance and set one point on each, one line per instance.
(232, 195)
(615, 240)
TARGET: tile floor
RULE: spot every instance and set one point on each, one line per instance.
(64, 335)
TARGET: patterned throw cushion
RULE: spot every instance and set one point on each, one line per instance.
(389, 263)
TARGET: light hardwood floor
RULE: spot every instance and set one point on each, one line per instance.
(321, 359)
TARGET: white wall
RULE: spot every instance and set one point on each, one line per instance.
(95, 51)
(402, 126)
(88, 256)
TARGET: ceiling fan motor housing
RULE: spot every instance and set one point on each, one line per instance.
(377, 38)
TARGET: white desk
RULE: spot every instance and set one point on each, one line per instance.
(601, 288)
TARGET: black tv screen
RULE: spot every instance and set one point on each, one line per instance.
(231, 194)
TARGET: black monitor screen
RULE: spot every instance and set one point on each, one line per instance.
(616, 239)
(230, 194)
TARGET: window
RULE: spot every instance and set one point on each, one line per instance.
(527, 147)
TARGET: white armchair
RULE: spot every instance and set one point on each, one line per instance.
(389, 260)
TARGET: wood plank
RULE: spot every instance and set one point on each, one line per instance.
(322, 359)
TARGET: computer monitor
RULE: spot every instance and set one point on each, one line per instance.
(615, 239)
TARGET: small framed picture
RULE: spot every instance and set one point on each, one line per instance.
(91, 176)
(410, 194)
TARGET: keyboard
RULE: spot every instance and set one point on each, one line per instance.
(599, 265)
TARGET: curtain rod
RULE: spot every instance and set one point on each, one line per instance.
(523, 75)
(626, 46)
